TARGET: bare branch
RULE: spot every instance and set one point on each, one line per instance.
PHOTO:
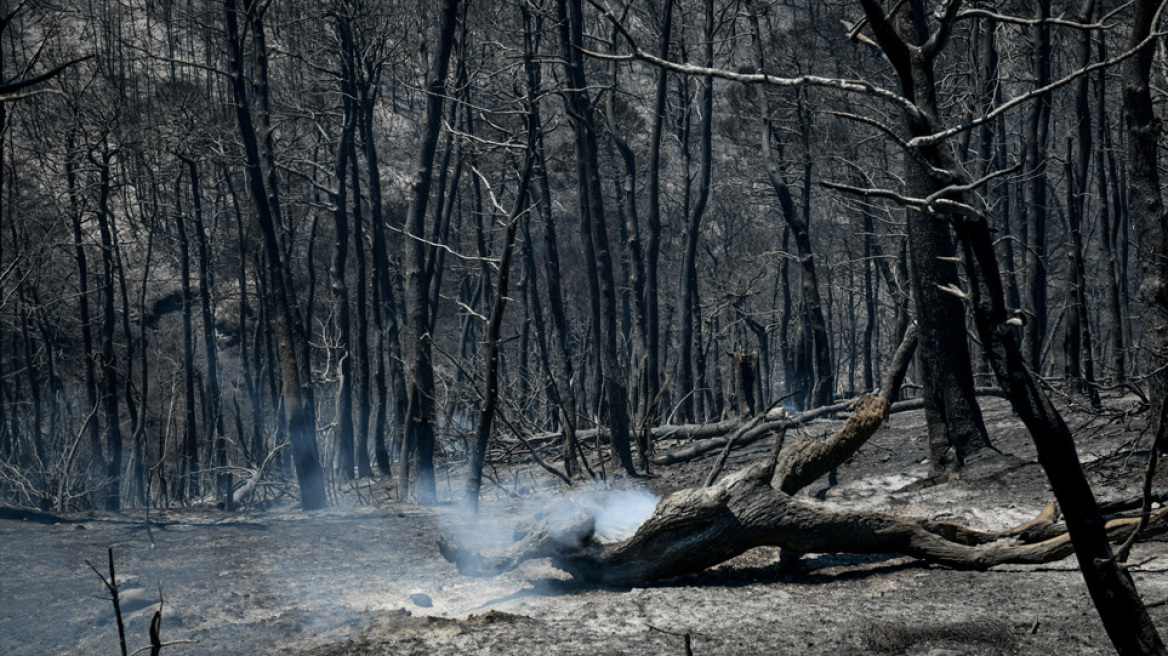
(434, 244)
(894, 47)
(970, 186)
(8, 88)
(1034, 22)
(937, 137)
(931, 204)
(842, 84)
(873, 192)
(938, 174)
(940, 37)
(952, 290)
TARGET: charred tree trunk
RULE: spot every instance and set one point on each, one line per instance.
(419, 420)
(1078, 343)
(360, 346)
(594, 231)
(870, 294)
(89, 355)
(957, 431)
(635, 266)
(689, 306)
(385, 309)
(1145, 198)
(448, 193)
(561, 376)
(1078, 346)
(109, 362)
(1106, 221)
(340, 285)
(214, 409)
(474, 479)
(1036, 138)
(252, 372)
(189, 473)
(824, 388)
(299, 405)
(653, 222)
(141, 470)
(1111, 588)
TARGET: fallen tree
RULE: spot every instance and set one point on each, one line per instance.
(697, 528)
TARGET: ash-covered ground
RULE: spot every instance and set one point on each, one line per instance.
(365, 577)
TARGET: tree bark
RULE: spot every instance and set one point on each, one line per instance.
(1106, 221)
(957, 431)
(689, 305)
(109, 362)
(653, 222)
(343, 352)
(635, 265)
(89, 355)
(1145, 198)
(560, 387)
(214, 409)
(1078, 343)
(250, 365)
(360, 348)
(386, 306)
(1037, 127)
(189, 473)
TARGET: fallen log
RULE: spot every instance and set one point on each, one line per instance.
(713, 436)
(667, 432)
(694, 529)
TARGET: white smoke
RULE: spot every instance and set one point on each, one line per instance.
(618, 513)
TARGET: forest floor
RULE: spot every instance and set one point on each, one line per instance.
(366, 577)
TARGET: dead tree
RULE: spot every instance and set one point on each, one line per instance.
(1144, 189)
(298, 402)
(708, 515)
(593, 231)
(419, 425)
(1119, 605)
(474, 479)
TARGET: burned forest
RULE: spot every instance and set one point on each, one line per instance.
(583, 326)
